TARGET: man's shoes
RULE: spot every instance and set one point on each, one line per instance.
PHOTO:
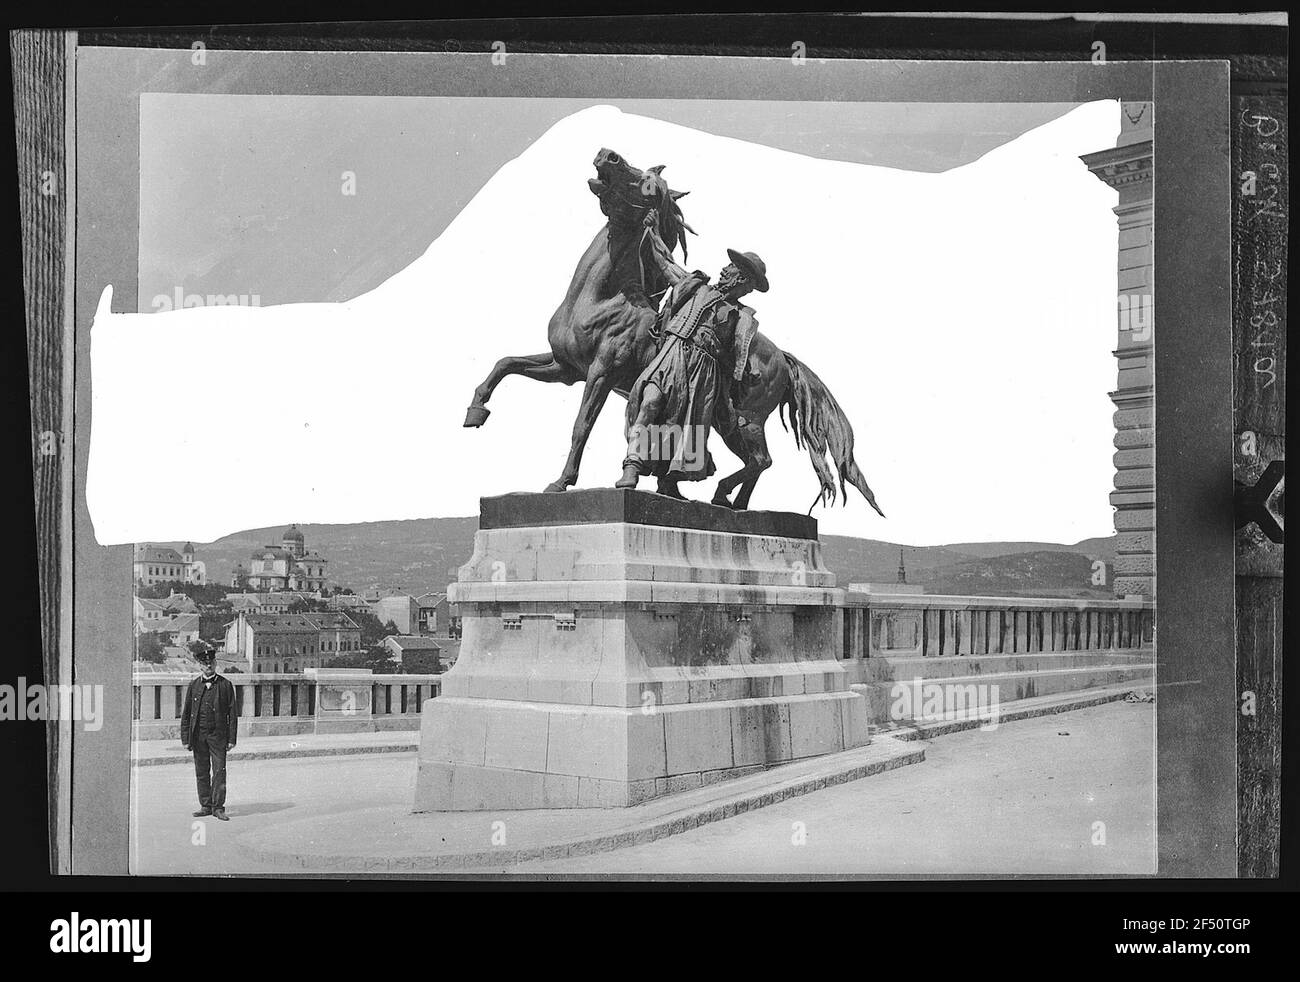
(631, 474)
(220, 815)
(203, 813)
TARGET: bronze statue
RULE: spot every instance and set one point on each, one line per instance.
(603, 334)
(681, 394)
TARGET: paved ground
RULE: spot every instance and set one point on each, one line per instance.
(1023, 799)
(261, 794)
(157, 752)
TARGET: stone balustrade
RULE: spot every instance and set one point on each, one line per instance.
(924, 625)
(281, 704)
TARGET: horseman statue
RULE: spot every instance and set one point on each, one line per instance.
(699, 361)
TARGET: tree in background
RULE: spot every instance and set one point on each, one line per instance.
(421, 663)
(206, 593)
(213, 619)
(155, 591)
(308, 606)
(149, 647)
(200, 593)
(376, 659)
(372, 631)
(196, 648)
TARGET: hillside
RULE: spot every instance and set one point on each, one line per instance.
(423, 555)
(1092, 548)
(420, 555)
(1040, 573)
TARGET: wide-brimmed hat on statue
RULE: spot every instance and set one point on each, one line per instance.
(752, 267)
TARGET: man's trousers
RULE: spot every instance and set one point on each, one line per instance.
(210, 768)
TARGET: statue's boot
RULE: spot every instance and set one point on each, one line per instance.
(631, 474)
(668, 487)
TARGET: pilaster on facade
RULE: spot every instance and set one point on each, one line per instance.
(1129, 168)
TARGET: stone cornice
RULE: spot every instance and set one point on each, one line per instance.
(1122, 166)
(1136, 398)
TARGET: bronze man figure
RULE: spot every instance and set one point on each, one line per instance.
(681, 393)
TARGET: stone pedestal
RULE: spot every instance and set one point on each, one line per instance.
(618, 646)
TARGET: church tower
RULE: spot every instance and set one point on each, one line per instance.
(294, 542)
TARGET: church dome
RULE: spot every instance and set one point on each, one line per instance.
(292, 534)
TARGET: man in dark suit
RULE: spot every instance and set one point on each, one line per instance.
(209, 726)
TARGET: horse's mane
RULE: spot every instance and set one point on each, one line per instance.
(672, 230)
(625, 233)
(672, 224)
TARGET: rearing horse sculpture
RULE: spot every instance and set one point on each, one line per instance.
(602, 334)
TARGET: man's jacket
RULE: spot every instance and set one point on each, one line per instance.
(226, 712)
(694, 301)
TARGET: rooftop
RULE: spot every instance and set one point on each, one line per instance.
(297, 623)
(413, 642)
(146, 553)
(272, 552)
(281, 623)
(171, 622)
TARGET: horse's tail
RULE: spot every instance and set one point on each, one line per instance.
(819, 424)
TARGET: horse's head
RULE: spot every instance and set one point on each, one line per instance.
(626, 193)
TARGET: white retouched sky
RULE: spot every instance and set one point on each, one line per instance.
(964, 321)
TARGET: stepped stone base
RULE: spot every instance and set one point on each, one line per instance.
(620, 646)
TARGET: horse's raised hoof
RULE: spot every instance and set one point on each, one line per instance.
(476, 415)
(556, 486)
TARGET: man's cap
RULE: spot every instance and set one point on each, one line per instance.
(205, 655)
(751, 266)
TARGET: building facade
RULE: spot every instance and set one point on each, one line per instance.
(288, 566)
(398, 646)
(268, 603)
(289, 642)
(181, 628)
(429, 607)
(399, 609)
(163, 564)
(346, 602)
(1129, 168)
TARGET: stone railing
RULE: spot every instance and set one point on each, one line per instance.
(879, 624)
(289, 704)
